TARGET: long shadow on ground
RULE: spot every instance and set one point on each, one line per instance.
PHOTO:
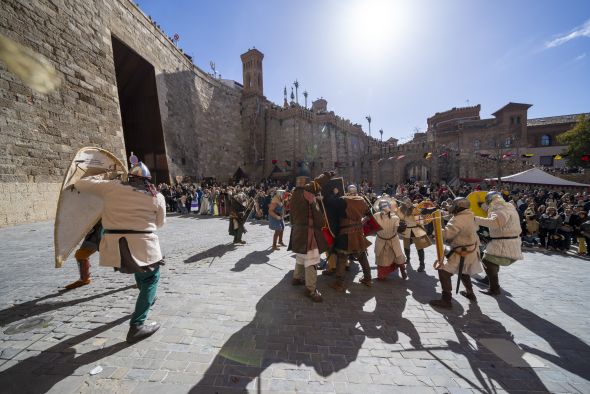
(40, 373)
(289, 328)
(36, 307)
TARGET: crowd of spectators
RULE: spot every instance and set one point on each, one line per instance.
(551, 219)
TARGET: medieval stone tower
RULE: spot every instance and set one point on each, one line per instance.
(252, 72)
(253, 112)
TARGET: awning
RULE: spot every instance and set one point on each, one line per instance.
(535, 176)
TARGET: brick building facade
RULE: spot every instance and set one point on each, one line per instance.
(464, 146)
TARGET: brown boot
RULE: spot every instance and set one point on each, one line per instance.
(403, 272)
(366, 281)
(492, 271)
(470, 296)
(297, 282)
(468, 292)
(84, 268)
(315, 296)
(338, 286)
(444, 302)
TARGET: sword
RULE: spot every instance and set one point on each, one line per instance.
(461, 265)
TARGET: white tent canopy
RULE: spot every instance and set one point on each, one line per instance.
(536, 176)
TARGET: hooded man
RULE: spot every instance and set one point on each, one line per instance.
(306, 239)
(504, 247)
(132, 211)
(460, 234)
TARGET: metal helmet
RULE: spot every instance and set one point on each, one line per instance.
(351, 189)
(491, 196)
(140, 170)
(460, 204)
(383, 204)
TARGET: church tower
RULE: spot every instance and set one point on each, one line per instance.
(252, 72)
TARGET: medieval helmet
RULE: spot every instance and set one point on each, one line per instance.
(460, 204)
(383, 204)
(351, 189)
(140, 170)
(491, 196)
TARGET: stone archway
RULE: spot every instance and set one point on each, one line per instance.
(417, 171)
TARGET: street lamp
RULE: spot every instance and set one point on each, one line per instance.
(381, 148)
(368, 117)
(296, 84)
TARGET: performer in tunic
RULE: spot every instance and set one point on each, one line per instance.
(237, 217)
(504, 247)
(276, 221)
(388, 250)
(88, 248)
(205, 203)
(350, 240)
(463, 258)
(132, 211)
(414, 232)
(306, 239)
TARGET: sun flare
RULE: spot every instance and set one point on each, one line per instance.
(373, 27)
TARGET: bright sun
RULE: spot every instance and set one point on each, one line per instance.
(374, 27)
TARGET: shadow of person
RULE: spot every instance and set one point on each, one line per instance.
(491, 371)
(422, 285)
(387, 320)
(256, 257)
(572, 352)
(288, 328)
(35, 307)
(38, 374)
(215, 252)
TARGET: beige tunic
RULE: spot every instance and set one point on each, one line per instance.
(388, 249)
(127, 209)
(503, 221)
(461, 230)
(413, 230)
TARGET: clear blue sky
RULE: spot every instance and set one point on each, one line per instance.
(399, 60)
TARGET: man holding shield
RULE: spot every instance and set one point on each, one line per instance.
(504, 247)
(463, 258)
(132, 210)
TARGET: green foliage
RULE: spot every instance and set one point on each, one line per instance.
(578, 142)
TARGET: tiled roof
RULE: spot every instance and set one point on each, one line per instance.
(554, 119)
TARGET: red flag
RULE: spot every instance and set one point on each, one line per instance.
(506, 155)
(274, 161)
(586, 158)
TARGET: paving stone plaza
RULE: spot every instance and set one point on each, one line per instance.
(232, 322)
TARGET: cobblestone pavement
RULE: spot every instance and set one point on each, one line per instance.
(231, 322)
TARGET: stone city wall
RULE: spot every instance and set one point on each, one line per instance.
(39, 134)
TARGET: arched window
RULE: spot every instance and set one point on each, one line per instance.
(476, 144)
(545, 140)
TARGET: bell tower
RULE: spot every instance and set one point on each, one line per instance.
(252, 72)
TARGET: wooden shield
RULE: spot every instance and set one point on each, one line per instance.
(475, 201)
(438, 238)
(334, 183)
(78, 212)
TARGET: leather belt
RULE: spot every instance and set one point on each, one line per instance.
(127, 232)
